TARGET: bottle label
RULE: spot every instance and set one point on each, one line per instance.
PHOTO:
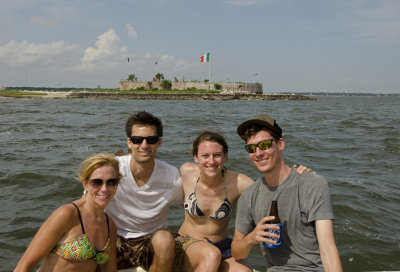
(278, 241)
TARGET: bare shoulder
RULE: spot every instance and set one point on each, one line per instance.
(64, 212)
(58, 223)
(189, 169)
(239, 180)
(188, 166)
(245, 179)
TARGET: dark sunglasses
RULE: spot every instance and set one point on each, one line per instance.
(263, 145)
(99, 182)
(149, 139)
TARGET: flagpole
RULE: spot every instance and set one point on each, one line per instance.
(209, 67)
(209, 71)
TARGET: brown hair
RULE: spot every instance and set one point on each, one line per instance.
(206, 135)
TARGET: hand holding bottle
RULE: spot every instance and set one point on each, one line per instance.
(277, 222)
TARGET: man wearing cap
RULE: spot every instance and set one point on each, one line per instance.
(304, 206)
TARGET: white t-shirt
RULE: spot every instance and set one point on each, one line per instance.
(138, 211)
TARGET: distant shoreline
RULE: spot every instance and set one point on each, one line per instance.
(116, 96)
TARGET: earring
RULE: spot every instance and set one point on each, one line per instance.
(84, 192)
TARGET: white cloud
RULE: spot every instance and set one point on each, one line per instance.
(22, 53)
(131, 31)
(107, 48)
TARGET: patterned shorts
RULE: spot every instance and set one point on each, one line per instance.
(139, 252)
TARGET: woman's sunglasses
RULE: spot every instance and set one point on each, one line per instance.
(263, 145)
(99, 182)
(140, 139)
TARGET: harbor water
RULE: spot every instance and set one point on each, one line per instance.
(354, 142)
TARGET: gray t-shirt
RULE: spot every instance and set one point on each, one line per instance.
(302, 199)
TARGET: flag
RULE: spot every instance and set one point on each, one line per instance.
(205, 58)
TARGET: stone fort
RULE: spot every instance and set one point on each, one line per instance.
(225, 87)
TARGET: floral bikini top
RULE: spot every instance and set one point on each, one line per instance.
(192, 208)
(79, 248)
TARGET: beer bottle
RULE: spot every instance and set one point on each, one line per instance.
(274, 212)
(277, 221)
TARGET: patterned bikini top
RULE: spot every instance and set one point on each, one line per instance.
(192, 208)
(79, 248)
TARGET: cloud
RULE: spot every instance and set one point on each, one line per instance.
(104, 63)
(131, 31)
(107, 56)
(107, 48)
(22, 53)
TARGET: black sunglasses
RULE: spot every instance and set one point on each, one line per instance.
(99, 182)
(263, 145)
(149, 139)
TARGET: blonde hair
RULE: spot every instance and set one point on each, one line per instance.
(90, 164)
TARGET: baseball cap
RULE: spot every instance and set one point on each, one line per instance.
(260, 120)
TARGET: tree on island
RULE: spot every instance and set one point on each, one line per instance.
(159, 77)
(166, 84)
(132, 77)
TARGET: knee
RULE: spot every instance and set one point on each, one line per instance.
(241, 266)
(212, 256)
(163, 241)
(244, 269)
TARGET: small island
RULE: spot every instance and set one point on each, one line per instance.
(158, 89)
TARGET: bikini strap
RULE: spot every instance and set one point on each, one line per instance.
(226, 193)
(195, 186)
(108, 226)
(80, 218)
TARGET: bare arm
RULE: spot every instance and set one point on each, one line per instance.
(243, 243)
(243, 182)
(329, 253)
(188, 171)
(45, 239)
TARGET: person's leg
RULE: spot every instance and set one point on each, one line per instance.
(233, 266)
(202, 256)
(163, 244)
(134, 252)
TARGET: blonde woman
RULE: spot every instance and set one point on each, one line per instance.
(80, 236)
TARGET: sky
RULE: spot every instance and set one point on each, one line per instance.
(287, 45)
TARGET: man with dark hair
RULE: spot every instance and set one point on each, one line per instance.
(304, 203)
(141, 204)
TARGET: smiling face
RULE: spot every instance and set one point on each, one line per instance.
(101, 195)
(210, 158)
(266, 161)
(144, 152)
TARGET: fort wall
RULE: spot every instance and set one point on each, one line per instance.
(226, 87)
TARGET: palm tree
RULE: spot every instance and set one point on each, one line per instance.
(132, 77)
(159, 77)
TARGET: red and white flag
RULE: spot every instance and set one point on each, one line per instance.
(205, 58)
